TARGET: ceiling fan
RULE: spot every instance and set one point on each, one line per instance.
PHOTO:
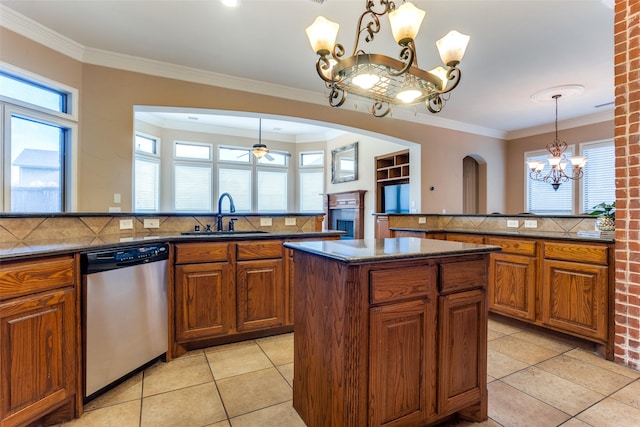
(260, 150)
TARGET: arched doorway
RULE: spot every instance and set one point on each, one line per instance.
(474, 185)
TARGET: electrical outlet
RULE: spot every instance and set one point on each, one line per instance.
(422, 220)
(151, 223)
(126, 224)
(289, 221)
(266, 222)
(513, 223)
(530, 223)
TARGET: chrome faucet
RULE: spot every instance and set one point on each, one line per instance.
(232, 208)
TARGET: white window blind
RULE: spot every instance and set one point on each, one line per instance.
(311, 188)
(599, 181)
(272, 191)
(146, 184)
(236, 182)
(192, 187)
(541, 198)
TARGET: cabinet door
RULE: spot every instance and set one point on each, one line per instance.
(38, 355)
(574, 298)
(382, 227)
(462, 371)
(402, 363)
(261, 294)
(465, 238)
(512, 285)
(205, 301)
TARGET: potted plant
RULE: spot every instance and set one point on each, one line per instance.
(606, 220)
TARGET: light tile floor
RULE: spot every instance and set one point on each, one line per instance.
(535, 379)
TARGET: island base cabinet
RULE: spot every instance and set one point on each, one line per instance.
(400, 355)
(574, 298)
(37, 357)
(205, 301)
(463, 355)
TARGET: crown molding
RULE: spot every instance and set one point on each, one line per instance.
(601, 117)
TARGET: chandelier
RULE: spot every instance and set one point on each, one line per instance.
(558, 162)
(386, 81)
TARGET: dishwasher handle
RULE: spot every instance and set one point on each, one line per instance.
(112, 259)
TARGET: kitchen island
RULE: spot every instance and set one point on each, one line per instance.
(390, 331)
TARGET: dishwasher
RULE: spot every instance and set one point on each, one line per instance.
(125, 312)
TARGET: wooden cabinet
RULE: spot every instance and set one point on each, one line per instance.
(382, 227)
(399, 343)
(575, 289)
(204, 291)
(398, 336)
(512, 289)
(463, 353)
(261, 286)
(39, 335)
(205, 301)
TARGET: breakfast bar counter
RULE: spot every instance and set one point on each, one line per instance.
(390, 331)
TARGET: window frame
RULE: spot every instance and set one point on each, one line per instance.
(152, 158)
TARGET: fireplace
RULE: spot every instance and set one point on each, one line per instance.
(345, 212)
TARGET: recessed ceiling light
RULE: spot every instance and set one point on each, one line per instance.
(231, 3)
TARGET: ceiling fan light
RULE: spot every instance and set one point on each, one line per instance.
(322, 35)
(405, 22)
(452, 47)
(259, 150)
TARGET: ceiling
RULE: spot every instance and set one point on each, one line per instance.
(517, 48)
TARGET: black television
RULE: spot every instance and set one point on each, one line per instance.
(396, 198)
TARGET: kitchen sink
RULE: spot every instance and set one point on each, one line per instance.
(220, 233)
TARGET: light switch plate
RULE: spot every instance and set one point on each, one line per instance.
(126, 224)
(513, 223)
(530, 223)
(151, 223)
(422, 220)
(116, 197)
(289, 221)
(266, 222)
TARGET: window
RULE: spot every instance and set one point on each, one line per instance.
(192, 176)
(311, 186)
(273, 158)
(312, 159)
(311, 181)
(192, 187)
(38, 146)
(599, 181)
(236, 182)
(234, 154)
(272, 191)
(146, 173)
(541, 198)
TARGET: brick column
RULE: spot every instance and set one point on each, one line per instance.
(627, 143)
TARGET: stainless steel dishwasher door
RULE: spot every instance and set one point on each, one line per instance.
(126, 321)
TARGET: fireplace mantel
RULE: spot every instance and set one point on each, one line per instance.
(346, 206)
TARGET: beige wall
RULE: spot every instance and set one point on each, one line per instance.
(108, 97)
(515, 188)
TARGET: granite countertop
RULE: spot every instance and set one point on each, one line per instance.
(27, 249)
(373, 250)
(595, 236)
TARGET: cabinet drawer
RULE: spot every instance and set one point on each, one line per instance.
(585, 253)
(201, 252)
(457, 276)
(465, 238)
(259, 250)
(514, 246)
(396, 284)
(36, 275)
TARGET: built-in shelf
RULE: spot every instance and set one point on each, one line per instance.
(391, 169)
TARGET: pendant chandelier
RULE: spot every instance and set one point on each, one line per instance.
(558, 161)
(385, 80)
